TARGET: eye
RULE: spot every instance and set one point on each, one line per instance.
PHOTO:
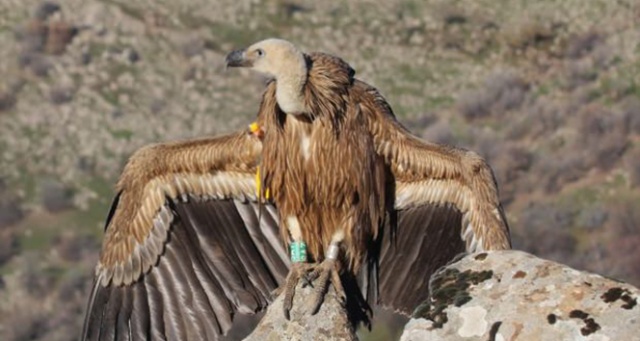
(260, 52)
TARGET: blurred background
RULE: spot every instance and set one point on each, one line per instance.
(547, 91)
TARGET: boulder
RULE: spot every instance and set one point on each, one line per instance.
(330, 323)
(513, 295)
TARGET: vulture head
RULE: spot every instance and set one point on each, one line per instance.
(282, 61)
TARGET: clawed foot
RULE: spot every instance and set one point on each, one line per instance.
(298, 271)
(323, 274)
(318, 276)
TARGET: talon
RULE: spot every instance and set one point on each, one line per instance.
(314, 274)
(307, 281)
(325, 273)
(286, 313)
(289, 290)
(337, 283)
(297, 272)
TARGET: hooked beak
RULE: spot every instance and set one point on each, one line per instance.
(238, 58)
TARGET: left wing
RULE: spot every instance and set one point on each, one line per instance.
(445, 202)
(184, 249)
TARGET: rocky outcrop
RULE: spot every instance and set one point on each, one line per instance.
(330, 323)
(512, 295)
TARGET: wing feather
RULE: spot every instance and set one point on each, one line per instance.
(263, 236)
(177, 264)
(445, 202)
(155, 313)
(430, 174)
(140, 322)
(413, 247)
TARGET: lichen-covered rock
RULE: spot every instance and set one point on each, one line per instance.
(515, 296)
(331, 323)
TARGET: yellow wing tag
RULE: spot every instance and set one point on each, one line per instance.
(254, 127)
(255, 130)
(259, 184)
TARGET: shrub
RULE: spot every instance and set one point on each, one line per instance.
(544, 230)
(192, 47)
(25, 323)
(10, 207)
(450, 14)
(553, 172)
(523, 34)
(543, 118)
(61, 94)
(596, 121)
(439, 132)
(610, 151)
(592, 218)
(9, 246)
(501, 92)
(35, 281)
(74, 248)
(624, 233)
(602, 136)
(511, 162)
(578, 74)
(630, 109)
(55, 195)
(7, 100)
(632, 166)
(10, 211)
(36, 62)
(72, 288)
(579, 45)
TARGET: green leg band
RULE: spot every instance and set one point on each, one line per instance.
(298, 252)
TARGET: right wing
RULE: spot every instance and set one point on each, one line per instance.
(186, 244)
(445, 202)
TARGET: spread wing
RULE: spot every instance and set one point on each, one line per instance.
(445, 202)
(184, 248)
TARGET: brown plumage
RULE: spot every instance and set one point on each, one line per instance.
(329, 190)
(187, 243)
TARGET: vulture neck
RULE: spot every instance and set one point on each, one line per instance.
(290, 87)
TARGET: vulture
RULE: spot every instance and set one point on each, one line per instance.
(326, 187)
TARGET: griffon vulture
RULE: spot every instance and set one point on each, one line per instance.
(200, 230)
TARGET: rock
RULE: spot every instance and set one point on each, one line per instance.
(330, 323)
(512, 295)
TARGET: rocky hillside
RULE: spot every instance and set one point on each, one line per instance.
(547, 91)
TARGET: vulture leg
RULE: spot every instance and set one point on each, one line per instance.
(299, 270)
(324, 273)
